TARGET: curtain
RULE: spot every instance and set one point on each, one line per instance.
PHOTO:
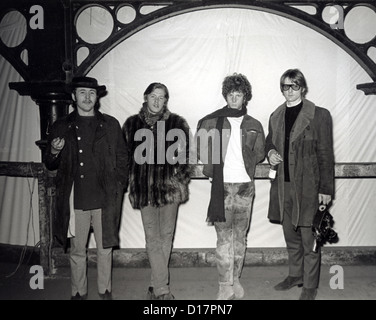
(191, 54)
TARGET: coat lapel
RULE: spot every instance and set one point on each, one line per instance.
(278, 124)
(304, 118)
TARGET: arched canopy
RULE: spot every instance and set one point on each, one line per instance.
(308, 13)
(55, 22)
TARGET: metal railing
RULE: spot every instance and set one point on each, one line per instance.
(362, 170)
(38, 171)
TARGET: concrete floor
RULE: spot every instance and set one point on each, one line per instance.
(359, 283)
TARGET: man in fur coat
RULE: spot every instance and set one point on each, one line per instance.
(159, 174)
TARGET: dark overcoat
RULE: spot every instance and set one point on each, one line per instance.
(311, 161)
(110, 158)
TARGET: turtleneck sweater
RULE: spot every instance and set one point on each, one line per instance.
(290, 118)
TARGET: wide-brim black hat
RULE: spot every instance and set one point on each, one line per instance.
(86, 82)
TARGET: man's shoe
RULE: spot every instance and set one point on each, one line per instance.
(226, 293)
(238, 289)
(308, 294)
(79, 297)
(288, 283)
(150, 294)
(105, 296)
(166, 296)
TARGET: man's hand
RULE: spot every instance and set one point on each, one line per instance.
(274, 157)
(57, 145)
(325, 198)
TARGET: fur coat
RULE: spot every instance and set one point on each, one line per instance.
(159, 169)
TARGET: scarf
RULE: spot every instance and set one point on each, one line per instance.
(216, 210)
(152, 118)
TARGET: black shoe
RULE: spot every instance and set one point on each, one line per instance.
(308, 294)
(166, 296)
(105, 296)
(288, 283)
(78, 297)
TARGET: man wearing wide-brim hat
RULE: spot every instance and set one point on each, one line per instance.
(88, 151)
(86, 82)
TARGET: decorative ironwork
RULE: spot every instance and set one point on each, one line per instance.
(294, 10)
(309, 13)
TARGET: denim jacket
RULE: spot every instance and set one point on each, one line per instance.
(253, 144)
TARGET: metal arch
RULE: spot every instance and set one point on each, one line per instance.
(176, 7)
(13, 54)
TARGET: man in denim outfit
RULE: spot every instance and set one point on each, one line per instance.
(235, 144)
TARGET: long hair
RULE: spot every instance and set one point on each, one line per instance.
(156, 85)
(237, 82)
(297, 77)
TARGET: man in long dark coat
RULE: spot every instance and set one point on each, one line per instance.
(88, 150)
(300, 145)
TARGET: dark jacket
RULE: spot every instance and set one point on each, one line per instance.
(110, 158)
(311, 161)
(253, 144)
(154, 179)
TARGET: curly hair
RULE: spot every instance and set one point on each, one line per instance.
(237, 82)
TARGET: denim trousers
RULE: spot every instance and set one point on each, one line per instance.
(78, 253)
(159, 227)
(232, 234)
(303, 261)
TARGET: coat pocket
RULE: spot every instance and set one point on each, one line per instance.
(250, 138)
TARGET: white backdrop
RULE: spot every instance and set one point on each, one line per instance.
(191, 54)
